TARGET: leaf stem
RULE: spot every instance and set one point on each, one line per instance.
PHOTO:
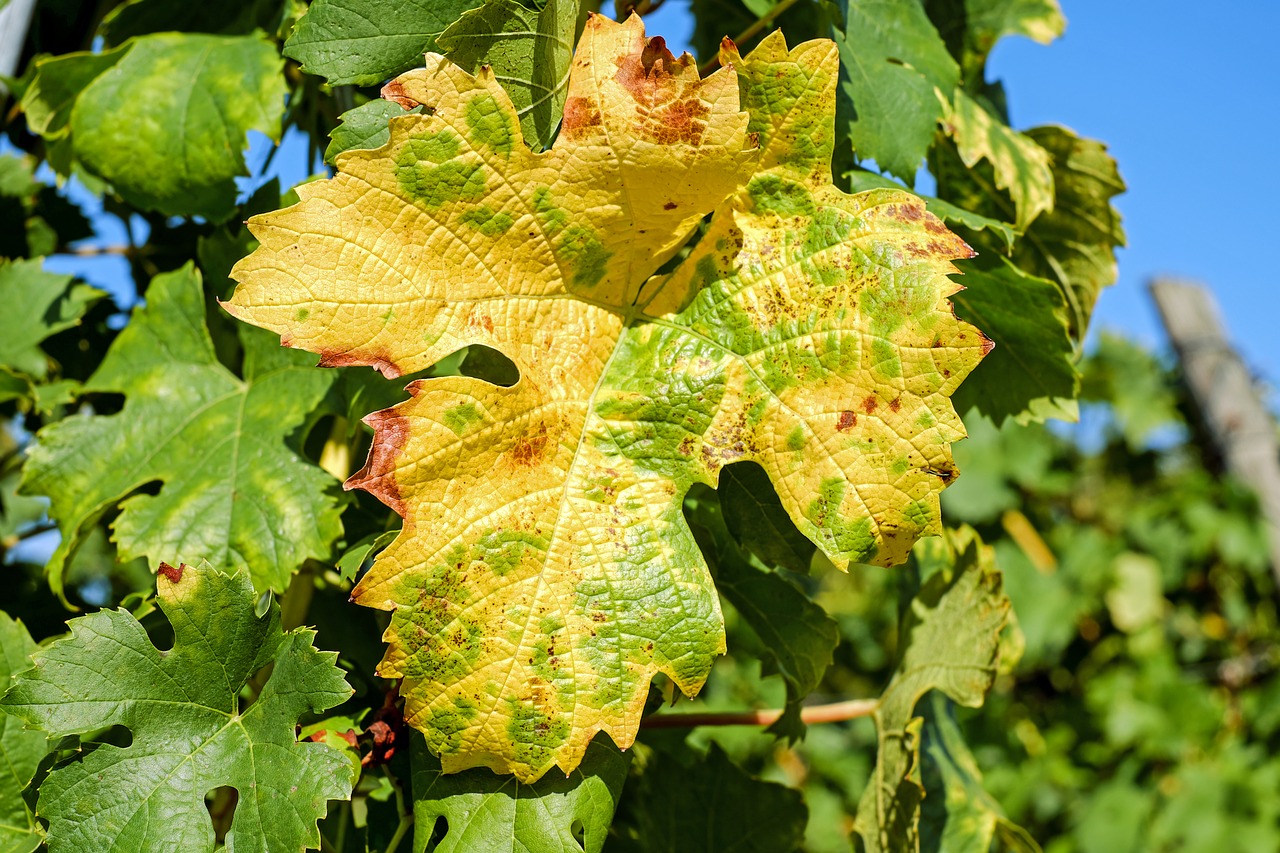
(831, 713)
(406, 817)
(296, 600)
(763, 21)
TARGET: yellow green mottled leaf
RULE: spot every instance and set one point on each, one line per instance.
(545, 571)
(1021, 167)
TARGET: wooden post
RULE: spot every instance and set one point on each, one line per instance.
(1226, 395)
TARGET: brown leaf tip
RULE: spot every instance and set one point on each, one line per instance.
(394, 91)
(172, 574)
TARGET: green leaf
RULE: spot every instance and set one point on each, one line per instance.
(20, 749)
(37, 305)
(971, 28)
(897, 70)
(190, 734)
(797, 635)
(1075, 243)
(529, 51)
(1019, 165)
(367, 41)
(756, 518)
(365, 127)
(58, 83)
(1031, 374)
(861, 181)
(232, 491)
(164, 118)
(958, 815)
(990, 20)
(140, 17)
(711, 805)
(556, 814)
(349, 564)
(950, 637)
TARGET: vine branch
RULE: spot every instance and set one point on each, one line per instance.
(833, 712)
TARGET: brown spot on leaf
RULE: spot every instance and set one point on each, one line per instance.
(379, 361)
(483, 321)
(846, 421)
(895, 404)
(580, 114)
(987, 345)
(670, 111)
(671, 205)
(378, 476)
(172, 574)
(869, 404)
(530, 449)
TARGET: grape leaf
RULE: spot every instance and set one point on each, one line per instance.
(1075, 243)
(37, 305)
(232, 491)
(139, 17)
(759, 522)
(958, 814)
(895, 67)
(1031, 374)
(710, 805)
(796, 635)
(164, 117)
(545, 571)
(367, 126)
(190, 734)
(366, 41)
(529, 51)
(951, 640)
(990, 20)
(971, 28)
(20, 749)
(1019, 165)
(556, 814)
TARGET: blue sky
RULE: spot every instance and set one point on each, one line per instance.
(1186, 97)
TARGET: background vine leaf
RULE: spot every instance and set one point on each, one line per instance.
(896, 71)
(20, 748)
(175, 149)
(570, 814)
(37, 304)
(366, 126)
(708, 803)
(1031, 375)
(958, 814)
(233, 491)
(1018, 165)
(529, 50)
(190, 734)
(368, 41)
(951, 637)
(529, 618)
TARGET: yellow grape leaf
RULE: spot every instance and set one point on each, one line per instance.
(545, 571)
